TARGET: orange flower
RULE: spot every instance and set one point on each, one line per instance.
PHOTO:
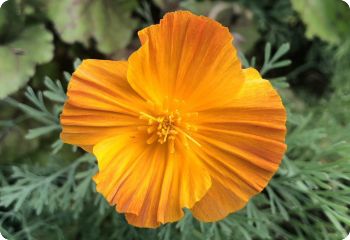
(178, 125)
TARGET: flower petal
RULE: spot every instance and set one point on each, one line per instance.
(217, 204)
(100, 103)
(242, 145)
(146, 182)
(186, 57)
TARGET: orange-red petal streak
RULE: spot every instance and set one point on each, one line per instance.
(146, 182)
(186, 57)
(242, 145)
(100, 103)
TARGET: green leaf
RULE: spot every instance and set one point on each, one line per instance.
(274, 61)
(20, 56)
(106, 21)
(282, 50)
(36, 132)
(9, 30)
(326, 19)
(55, 91)
(198, 7)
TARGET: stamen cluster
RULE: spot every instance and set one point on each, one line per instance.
(164, 128)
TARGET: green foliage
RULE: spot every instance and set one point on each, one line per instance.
(48, 118)
(271, 62)
(244, 28)
(21, 49)
(45, 191)
(327, 19)
(9, 30)
(202, 7)
(276, 21)
(106, 21)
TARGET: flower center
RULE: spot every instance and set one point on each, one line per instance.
(167, 127)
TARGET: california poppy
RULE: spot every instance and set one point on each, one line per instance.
(178, 125)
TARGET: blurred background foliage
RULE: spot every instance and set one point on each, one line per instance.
(302, 46)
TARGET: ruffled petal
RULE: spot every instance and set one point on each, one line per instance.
(186, 57)
(146, 182)
(100, 103)
(242, 145)
(217, 204)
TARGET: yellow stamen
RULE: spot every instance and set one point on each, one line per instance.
(142, 114)
(166, 134)
(165, 127)
(188, 136)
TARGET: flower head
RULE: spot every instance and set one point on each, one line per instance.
(178, 125)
